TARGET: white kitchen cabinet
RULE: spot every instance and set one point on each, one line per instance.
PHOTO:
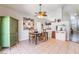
(61, 35)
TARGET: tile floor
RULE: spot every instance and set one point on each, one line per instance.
(52, 46)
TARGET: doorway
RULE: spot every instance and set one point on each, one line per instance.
(74, 29)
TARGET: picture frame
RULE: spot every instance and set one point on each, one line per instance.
(28, 23)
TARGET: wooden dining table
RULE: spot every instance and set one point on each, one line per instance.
(37, 36)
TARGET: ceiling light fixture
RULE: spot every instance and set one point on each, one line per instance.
(41, 14)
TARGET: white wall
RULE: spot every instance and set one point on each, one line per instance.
(56, 14)
(66, 18)
(23, 34)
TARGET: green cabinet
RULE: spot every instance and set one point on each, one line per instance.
(0, 33)
(13, 31)
(9, 32)
(5, 31)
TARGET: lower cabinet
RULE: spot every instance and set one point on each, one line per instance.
(61, 35)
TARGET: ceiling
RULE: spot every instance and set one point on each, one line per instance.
(71, 9)
(30, 9)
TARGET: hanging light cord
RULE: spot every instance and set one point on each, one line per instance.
(40, 6)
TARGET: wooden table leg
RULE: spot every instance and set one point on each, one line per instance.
(47, 35)
(36, 39)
